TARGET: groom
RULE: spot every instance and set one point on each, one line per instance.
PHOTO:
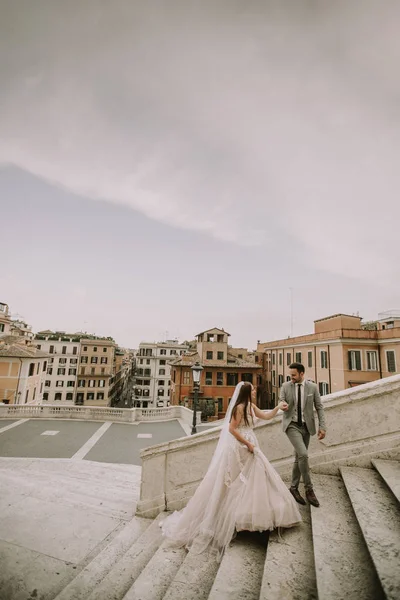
(298, 424)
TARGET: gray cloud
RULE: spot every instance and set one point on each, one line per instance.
(261, 123)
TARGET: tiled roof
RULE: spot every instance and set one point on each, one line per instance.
(19, 351)
(212, 329)
(233, 362)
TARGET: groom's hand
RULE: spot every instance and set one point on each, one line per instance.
(321, 434)
(283, 405)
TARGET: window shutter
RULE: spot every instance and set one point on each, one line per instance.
(358, 361)
(320, 388)
(391, 362)
(349, 359)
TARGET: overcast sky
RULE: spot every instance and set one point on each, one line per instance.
(168, 167)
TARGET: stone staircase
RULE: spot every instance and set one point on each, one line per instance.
(348, 548)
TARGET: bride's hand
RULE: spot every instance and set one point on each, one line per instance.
(283, 405)
(250, 447)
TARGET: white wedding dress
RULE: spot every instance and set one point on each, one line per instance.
(240, 491)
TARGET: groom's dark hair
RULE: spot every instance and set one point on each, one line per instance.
(297, 366)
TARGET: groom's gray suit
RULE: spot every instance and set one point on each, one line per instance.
(300, 435)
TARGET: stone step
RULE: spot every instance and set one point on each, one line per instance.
(389, 470)
(344, 568)
(123, 574)
(289, 570)
(194, 579)
(241, 569)
(377, 513)
(90, 577)
(158, 574)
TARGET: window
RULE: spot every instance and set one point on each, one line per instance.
(186, 378)
(71, 371)
(391, 361)
(70, 396)
(105, 349)
(323, 388)
(220, 404)
(59, 383)
(220, 378)
(232, 379)
(79, 398)
(162, 382)
(147, 361)
(73, 361)
(163, 352)
(50, 371)
(85, 348)
(239, 356)
(31, 369)
(62, 361)
(324, 359)
(256, 358)
(92, 383)
(92, 371)
(83, 370)
(220, 355)
(51, 361)
(310, 359)
(273, 377)
(161, 371)
(81, 383)
(75, 350)
(60, 371)
(161, 392)
(94, 360)
(288, 358)
(220, 337)
(147, 372)
(84, 359)
(70, 383)
(209, 355)
(94, 348)
(45, 396)
(209, 378)
(354, 357)
(34, 393)
(58, 396)
(172, 352)
(103, 370)
(100, 395)
(146, 393)
(162, 362)
(51, 350)
(47, 383)
(247, 377)
(90, 396)
(298, 357)
(104, 360)
(280, 359)
(273, 358)
(2, 329)
(102, 383)
(141, 361)
(372, 362)
(146, 382)
(280, 380)
(38, 368)
(38, 346)
(64, 350)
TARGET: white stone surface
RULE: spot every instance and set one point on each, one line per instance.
(194, 579)
(389, 470)
(289, 570)
(344, 568)
(377, 513)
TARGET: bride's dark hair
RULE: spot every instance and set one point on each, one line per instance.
(244, 398)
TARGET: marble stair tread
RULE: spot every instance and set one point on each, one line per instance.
(240, 573)
(158, 574)
(343, 566)
(289, 570)
(128, 568)
(194, 579)
(378, 515)
(90, 577)
(389, 470)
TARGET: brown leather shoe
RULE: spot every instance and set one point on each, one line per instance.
(296, 495)
(312, 498)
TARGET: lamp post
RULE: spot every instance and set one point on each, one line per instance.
(196, 370)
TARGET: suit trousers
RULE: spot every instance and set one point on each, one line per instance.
(300, 439)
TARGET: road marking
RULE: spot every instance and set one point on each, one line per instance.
(49, 433)
(145, 435)
(91, 442)
(7, 427)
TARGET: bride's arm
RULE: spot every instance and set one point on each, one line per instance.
(233, 429)
(266, 416)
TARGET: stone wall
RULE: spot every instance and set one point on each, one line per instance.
(362, 422)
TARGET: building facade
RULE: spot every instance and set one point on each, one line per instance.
(153, 372)
(341, 353)
(223, 368)
(62, 369)
(5, 319)
(22, 372)
(95, 371)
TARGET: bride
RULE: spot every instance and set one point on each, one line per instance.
(240, 491)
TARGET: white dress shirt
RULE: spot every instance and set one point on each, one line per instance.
(296, 388)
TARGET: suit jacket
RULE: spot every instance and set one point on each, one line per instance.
(311, 399)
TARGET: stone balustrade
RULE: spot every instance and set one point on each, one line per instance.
(362, 423)
(97, 413)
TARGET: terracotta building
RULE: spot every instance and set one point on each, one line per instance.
(341, 353)
(96, 369)
(223, 368)
(22, 371)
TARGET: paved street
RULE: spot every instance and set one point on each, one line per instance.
(83, 440)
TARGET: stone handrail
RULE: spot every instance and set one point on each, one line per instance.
(96, 413)
(362, 423)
